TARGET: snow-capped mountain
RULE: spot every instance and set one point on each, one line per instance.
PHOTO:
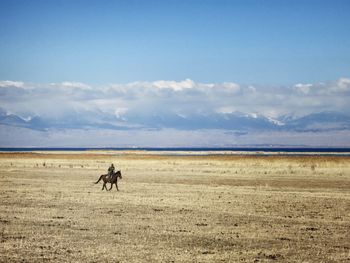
(227, 121)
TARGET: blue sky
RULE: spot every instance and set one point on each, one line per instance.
(174, 73)
(249, 42)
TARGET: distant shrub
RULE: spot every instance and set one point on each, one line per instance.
(313, 167)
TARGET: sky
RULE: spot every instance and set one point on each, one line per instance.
(245, 72)
(250, 42)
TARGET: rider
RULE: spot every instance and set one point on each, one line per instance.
(111, 170)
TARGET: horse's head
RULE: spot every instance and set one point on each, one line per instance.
(119, 174)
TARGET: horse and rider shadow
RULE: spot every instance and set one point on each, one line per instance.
(111, 177)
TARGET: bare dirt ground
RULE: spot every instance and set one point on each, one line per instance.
(174, 208)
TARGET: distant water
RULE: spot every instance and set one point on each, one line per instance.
(234, 149)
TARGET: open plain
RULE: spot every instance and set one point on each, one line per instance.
(208, 208)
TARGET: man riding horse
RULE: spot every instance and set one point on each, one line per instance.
(111, 171)
(112, 180)
(110, 177)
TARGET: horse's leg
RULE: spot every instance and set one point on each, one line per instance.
(110, 187)
(116, 185)
(104, 185)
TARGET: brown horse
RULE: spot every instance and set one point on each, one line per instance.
(110, 179)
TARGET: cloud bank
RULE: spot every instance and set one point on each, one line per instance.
(175, 110)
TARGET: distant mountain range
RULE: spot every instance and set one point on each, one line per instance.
(323, 121)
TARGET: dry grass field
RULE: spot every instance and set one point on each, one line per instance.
(174, 208)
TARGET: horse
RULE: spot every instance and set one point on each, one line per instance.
(110, 179)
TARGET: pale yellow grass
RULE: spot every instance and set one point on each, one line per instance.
(174, 209)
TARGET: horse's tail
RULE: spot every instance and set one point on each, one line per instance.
(99, 179)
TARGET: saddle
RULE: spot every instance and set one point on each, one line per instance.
(111, 176)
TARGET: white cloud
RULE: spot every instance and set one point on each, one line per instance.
(79, 85)
(175, 85)
(231, 86)
(119, 112)
(162, 100)
(252, 89)
(226, 109)
(303, 88)
(343, 85)
(9, 83)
